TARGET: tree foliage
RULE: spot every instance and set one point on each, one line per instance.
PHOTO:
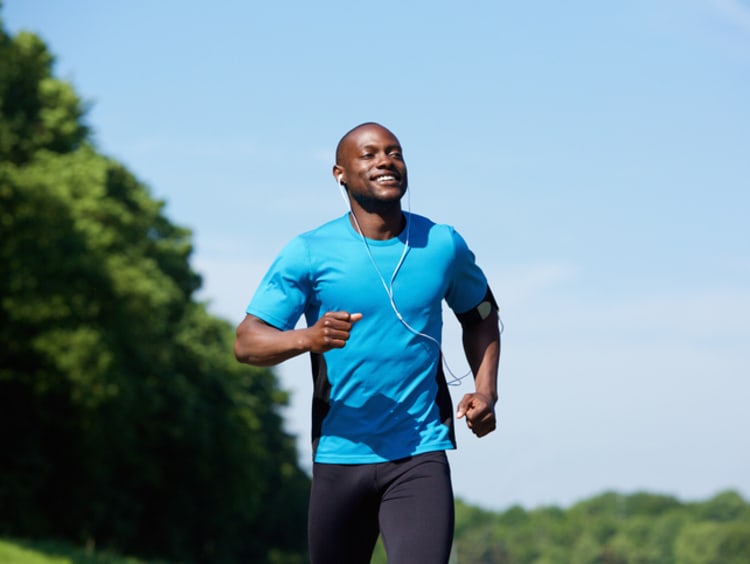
(611, 528)
(124, 419)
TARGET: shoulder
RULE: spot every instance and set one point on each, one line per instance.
(317, 244)
(435, 234)
(334, 228)
(420, 222)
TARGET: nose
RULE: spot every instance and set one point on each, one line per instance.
(385, 161)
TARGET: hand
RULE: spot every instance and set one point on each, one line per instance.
(332, 330)
(480, 413)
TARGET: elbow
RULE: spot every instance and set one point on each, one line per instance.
(259, 344)
(240, 352)
(245, 353)
(244, 347)
(248, 349)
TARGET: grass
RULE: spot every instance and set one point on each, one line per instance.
(14, 551)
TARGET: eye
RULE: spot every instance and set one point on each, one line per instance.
(396, 155)
(367, 155)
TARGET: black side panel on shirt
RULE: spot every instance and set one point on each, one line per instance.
(444, 402)
(321, 402)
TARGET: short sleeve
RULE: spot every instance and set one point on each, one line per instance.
(468, 284)
(283, 293)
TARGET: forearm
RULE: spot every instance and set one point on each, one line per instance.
(482, 347)
(260, 344)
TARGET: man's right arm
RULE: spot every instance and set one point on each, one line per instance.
(261, 344)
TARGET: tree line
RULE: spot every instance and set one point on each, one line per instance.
(125, 421)
(611, 528)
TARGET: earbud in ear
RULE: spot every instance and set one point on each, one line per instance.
(341, 179)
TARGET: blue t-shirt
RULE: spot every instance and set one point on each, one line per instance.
(383, 396)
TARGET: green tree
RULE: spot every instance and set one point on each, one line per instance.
(37, 111)
(124, 419)
(610, 528)
(724, 506)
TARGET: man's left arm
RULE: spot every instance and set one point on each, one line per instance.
(481, 340)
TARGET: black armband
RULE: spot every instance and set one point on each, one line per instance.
(480, 312)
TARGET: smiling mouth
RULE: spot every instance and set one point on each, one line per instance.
(386, 178)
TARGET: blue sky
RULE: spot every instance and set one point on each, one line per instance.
(595, 155)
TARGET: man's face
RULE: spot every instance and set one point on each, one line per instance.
(373, 167)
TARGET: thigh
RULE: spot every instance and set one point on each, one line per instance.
(417, 511)
(343, 514)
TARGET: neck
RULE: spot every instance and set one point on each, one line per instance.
(381, 225)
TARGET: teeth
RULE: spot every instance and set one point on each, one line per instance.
(386, 177)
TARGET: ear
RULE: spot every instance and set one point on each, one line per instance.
(338, 174)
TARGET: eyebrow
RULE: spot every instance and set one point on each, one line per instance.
(371, 146)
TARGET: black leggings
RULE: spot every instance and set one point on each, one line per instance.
(409, 501)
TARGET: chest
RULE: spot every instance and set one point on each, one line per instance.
(361, 279)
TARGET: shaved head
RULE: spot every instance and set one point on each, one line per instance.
(351, 132)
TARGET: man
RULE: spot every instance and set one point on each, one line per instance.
(371, 285)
